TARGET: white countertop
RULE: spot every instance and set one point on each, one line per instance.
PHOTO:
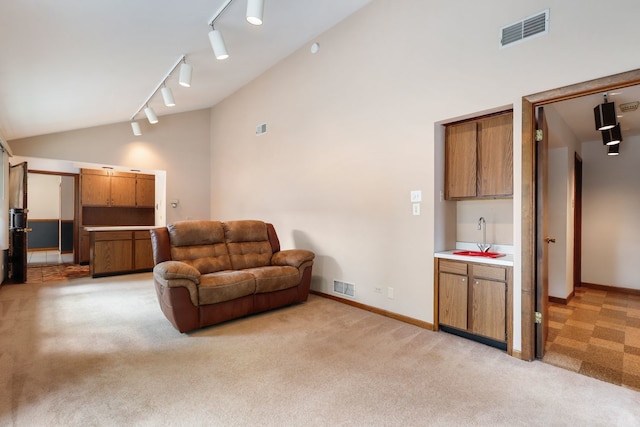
(503, 260)
(122, 228)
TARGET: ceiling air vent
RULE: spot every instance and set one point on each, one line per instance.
(535, 25)
(629, 106)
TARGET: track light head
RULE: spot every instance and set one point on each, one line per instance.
(255, 10)
(185, 75)
(217, 44)
(167, 96)
(135, 127)
(151, 115)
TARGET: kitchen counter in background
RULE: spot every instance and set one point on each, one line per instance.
(121, 228)
(120, 250)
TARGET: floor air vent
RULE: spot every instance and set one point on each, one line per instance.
(344, 288)
(535, 25)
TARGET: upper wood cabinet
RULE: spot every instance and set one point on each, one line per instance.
(145, 191)
(479, 158)
(114, 188)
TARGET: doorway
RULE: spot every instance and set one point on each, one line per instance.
(52, 218)
(532, 331)
(577, 222)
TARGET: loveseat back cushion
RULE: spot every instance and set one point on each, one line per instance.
(200, 244)
(248, 244)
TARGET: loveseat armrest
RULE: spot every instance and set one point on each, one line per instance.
(169, 270)
(292, 257)
(173, 274)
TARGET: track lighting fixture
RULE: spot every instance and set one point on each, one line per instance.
(167, 95)
(605, 115)
(255, 9)
(612, 136)
(135, 126)
(613, 150)
(217, 43)
(185, 74)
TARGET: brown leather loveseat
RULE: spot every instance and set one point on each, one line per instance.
(207, 272)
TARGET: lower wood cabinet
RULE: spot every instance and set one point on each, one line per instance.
(119, 252)
(473, 298)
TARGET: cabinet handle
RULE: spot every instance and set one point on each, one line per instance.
(477, 283)
(464, 279)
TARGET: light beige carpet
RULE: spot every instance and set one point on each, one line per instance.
(98, 352)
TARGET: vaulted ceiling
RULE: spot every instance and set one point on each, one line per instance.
(70, 64)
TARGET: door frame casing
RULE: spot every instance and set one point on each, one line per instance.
(528, 188)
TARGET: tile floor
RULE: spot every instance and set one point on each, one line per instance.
(597, 334)
(48, 257)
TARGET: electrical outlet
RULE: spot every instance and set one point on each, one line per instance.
(390, 292)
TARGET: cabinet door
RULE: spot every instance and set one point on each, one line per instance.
(460, 160)
(123, 189)
(96, 190)
(452, 300)
(488, 309)
(145, 191)
(495, 156)
(112, 252)
(143, 251)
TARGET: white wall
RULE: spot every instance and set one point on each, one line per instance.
(498, 215)
(43, 196)
(351, 130)
(67, 198)
(610, 226)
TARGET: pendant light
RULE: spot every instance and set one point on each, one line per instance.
(612, 136)
(613, 150)
(255, 10)
(605, 115)
(217, 44)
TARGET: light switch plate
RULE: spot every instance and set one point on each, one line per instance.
(416, 196)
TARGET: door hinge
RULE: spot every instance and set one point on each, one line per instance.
(539, 135)
(538, 317)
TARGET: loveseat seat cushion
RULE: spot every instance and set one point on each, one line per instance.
(274, 278)
(200, 244)
(248, 244)
(225, 286)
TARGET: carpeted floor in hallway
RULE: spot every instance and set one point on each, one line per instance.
(99, 352)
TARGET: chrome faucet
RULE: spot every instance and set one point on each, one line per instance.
(482, 225)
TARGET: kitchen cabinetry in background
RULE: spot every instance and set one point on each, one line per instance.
(479, 158)
(473, 299)
(114, 188)
(145, 190)
(113, 198)
(120, 251)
